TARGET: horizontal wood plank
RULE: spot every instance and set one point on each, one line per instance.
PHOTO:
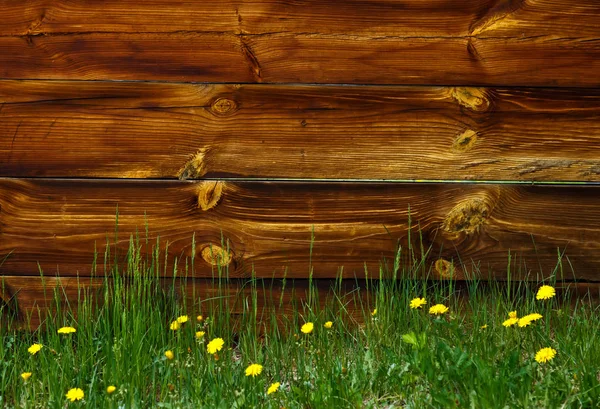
(416, 18)
(157, 130)
(303, 58)
(265, 229)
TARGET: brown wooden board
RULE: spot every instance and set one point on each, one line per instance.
(303, 58)
(265, 228)
(410, 18)
(157, 130)
(29, 300)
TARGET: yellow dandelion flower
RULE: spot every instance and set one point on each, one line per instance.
(199, 318)
(181, 319)
(26, 375)
(545, 292)
(512, 314)
(374, 312)
(438, 309)
(75, 394)
(307, 328)
(545, 355)
(111, 389)
(417, 303)
(510, 322)
(328, 324)
(66, 330)
(175, 326)
(199, 334)
(169, 354)
(483, 326)
(528, 319)
(254, 370)
(215, 345)
(273, 388)
(34, 349)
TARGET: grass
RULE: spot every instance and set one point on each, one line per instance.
(397, 357)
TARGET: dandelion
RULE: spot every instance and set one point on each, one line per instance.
(528, 319)
(484, 326)
(175, 326)
(438, 309)
(417, 303)
(512, 314)
(374, 312)
(273, 388)
(307, 328)
(181, 319)
(545, 355)
(26, 375)
(34, 349)
(545, 292)
(169, 354)
(254, 370)
(215, 345)
(111, 389)
(66, 330)
(75, 394)
(328, 324)
(199, 318)
(199, 334)
(510, 322)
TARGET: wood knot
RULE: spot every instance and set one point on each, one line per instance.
(224, 106)
(209, 194)
(216, 255)
(465, 141)
(472, 98)
(467, 217)
(444, 268)
(195, 167)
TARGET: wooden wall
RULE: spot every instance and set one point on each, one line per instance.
(263, 122)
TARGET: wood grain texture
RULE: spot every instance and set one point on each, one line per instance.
(268, 226)
(29, 300)
(156, 130)
(416, 18)
(303, 58)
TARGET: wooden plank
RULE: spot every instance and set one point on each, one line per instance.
(417, 18)
(265, 228)
(303, 58)
(29, 300)
(158, 130)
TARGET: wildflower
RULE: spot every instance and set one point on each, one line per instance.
(510, 322)
(34, 349)
(483, 326)
(26, 375)
(254, 369)
(199, 318)
(175, 326)
(328, 324)
(75, 394)
(374, 313)
(111, 389)
(512, 314)
(199, 334)
(528, 319)
(215, 345)
(66, 330)
(169, 354)
(181, 319)
(545, 292)
(307, 328)
(273, 388)
(438, 309)
(417, 303)
(545, 355)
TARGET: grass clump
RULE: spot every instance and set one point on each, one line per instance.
(403, 343)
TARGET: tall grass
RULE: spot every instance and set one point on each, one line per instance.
(396, 357)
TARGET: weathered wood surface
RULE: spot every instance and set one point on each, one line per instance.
(268, 226)
(149, 130)
(386, 42)
(29, 300)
